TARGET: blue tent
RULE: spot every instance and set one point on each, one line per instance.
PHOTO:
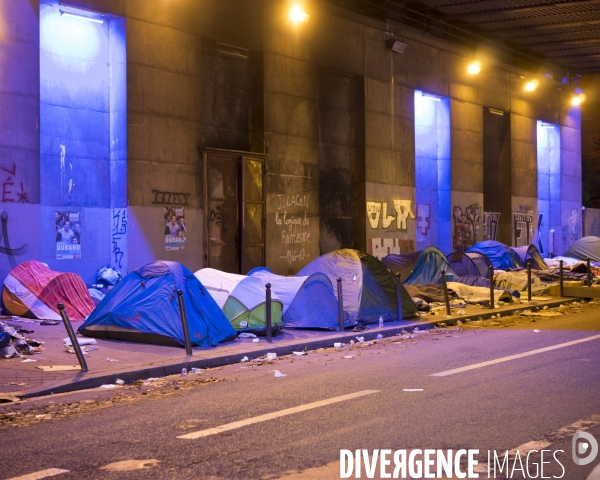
(144, 307)
(308, 302)
(368, 287)
(502, 256)
(425, 269)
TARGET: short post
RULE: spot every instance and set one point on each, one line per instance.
(269, 329)
(589, 272)
(529, 281)
(72, 337)
(491, 286)
(340, 304)
(399, 296)
(446, 298)
(560, 280)
(184, 323)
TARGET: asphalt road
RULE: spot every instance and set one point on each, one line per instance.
(499, 407)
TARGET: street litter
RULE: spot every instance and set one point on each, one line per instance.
(58, 368)
(195, 370)
(29, 360)
(183, 372)
(111, 359)
(108, 386)
(49, 322)
(360, 339)
(413, 389)
(271, 356)
(337, 345)
(81, 341)
(416, 329)
(536, 331)
(299, 353)
(461, 312)
(350, 356)
(118, 381)
(278, 374)
(246, 335)
(379, 335)
(255, 340)
(245, 359)
(458, 322)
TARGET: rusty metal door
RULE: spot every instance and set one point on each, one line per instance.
(235, 210)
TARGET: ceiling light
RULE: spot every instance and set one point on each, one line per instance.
(298, 15)
(531, 85)
(496, 112)
(474, 68)
(82, 17)
(577, 99)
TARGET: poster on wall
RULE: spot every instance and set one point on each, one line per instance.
(174, 228)
(68, 235)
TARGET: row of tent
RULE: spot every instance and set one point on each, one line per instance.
(144, 305)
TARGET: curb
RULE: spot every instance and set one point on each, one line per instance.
(172, 369)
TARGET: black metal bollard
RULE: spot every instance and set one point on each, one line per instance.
(446, 298)
(491, 286)
(529, 281)
(399, 296)
(72, 337)
(589, 272)
(560, 279)
(269, 328)
(340, 304)
(184, 323)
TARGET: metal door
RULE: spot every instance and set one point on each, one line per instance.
(235, 210)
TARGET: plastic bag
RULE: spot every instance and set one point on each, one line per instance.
(108, 275)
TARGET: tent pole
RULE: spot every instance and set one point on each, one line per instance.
(446, 298)
(589, 272)
(72, 337)
(340, 304)
(184, 323)
(560, 280)
(269, 333)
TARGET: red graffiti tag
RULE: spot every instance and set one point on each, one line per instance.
(6, 191)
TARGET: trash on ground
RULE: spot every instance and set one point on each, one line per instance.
(461, 312)
(111, 359)
(195, 370)
(183, 372)
(278, 374)
(28, 360)
(360, 339)
(271, 356)
(49, 322)
(536, 331)
(379, 335)
(81, 341)
(107, 385)
(255, 340)
(350, 356)
(245, 359)
(118, 381)
(58, 368)
(458, 322)
(246, 335)
(299, 353)
(337, 345)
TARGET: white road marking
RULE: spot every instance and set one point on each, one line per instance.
(412, 390)
(49, 472)
(270, 416)
(513, 357)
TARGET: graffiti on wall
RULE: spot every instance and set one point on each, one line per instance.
(381, 247)
(118, 238)
(491, 221)
(466, 226)
(170, 198)
(291, 219)
(539, 234)
(571, 231)
(423, 221)
(522, 229)
(13, 190)
(377, 212)
(6, 249)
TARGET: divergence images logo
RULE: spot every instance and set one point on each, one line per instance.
(587, 444)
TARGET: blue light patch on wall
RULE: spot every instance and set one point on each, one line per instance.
(433, 167)
(549, 178)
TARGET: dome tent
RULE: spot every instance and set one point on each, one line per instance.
(502, 256)
(33, 290)
(308, 302)
(243, 299)
(369, 288)
(144, 307)
(585, 247)
(426, 268)
(472, 263)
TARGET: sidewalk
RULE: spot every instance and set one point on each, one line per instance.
(136, 361)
